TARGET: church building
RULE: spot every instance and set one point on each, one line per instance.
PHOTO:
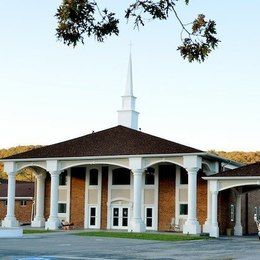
(122, 178)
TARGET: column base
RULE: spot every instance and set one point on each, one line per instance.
(38, 222)
(238, 230)
(191, 227)
(136, 225)
(207, 226)
(52, 224)
(10, 222)
(214, 231)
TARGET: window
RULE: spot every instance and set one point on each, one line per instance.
(23, 202)
(92, 219)
(121, 176)
(62, 207)
(63, 179)
(183, 176)
(149, 217)
(149, 176)
(5, 202)
(183, 209)
(93, 177)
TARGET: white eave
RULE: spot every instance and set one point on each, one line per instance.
(103, 157)
(231, 178)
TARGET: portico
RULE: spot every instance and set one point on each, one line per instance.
(241, 181)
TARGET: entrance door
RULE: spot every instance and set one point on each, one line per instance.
(120, 216)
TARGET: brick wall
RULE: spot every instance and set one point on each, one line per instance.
(77, 196)
(201, 199)
(104, 195)
(47, 196)
(166, 200)
(253, 201)
(225, 199)
(22, 213)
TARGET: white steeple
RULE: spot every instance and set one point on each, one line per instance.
(127, 116)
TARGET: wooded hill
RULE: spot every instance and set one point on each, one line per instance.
(239, 156)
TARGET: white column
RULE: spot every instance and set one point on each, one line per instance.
(207, 225)
(10, 219)
(214, 232)
(238, 230)
(136, 223)
(39, 220)
(192, 226)
(53, 221)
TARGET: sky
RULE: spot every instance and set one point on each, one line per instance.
(50, 92)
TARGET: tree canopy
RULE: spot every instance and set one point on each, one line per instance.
(78, 19)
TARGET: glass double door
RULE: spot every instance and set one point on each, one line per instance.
(120, 217)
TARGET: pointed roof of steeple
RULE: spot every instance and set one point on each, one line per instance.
(129, 82)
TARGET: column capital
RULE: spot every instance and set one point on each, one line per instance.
(137, 171)
(40, 176)
(12, 173)
(192, 170)
(55, 173)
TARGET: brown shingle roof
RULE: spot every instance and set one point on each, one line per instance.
(22, 189)
(118, 140)
(247, 170)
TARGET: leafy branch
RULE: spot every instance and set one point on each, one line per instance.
(77, 18)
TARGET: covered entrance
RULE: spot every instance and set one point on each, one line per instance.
(225, 192)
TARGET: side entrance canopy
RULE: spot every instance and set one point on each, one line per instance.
(243, 179)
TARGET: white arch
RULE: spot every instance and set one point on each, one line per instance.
(163, 161)
(31, 165)
(94, 164)
(257, 182)
(120, 199)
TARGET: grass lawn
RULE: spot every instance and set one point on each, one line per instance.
(145, 236)
(36, 231)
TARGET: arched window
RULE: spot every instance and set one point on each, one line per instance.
(121, 176)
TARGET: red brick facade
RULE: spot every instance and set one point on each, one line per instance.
(22, 213)
(104, 196)
(77, 196)
(166, 200)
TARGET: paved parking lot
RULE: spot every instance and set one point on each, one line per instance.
(68, 246)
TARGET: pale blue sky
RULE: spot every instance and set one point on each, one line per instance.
(51, 92)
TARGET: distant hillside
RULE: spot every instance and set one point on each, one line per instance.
(26, 174)
(239, 156)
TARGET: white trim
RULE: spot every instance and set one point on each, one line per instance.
(98, 205)
(97, 217)
(17, 198)
(154, 205)
(68, 193)
(148, 206)
(232, 178)
(102, 157)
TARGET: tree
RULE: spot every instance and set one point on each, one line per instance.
(78, 19)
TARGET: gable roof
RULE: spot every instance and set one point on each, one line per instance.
(114, 141)
(247, 170)
(22, 189)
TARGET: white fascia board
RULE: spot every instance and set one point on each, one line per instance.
(102, 157)
(18, 198)
(224, 159)
(231, 178)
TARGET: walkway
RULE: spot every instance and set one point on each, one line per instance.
(64, 245)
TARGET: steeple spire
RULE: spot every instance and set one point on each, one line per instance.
(128, 116)
(129, 82)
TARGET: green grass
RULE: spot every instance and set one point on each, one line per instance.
(145, 236)
(36, 231)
